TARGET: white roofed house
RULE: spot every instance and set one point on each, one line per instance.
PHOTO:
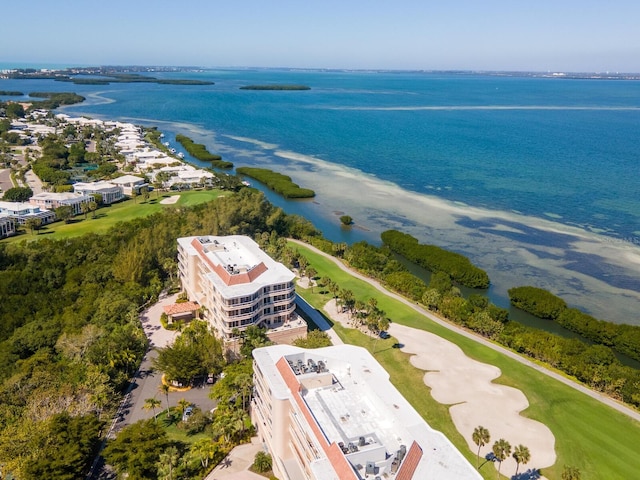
(239, 285)
(22, 211)
(129, 183)
(186, 174)
(110, 192)
(7, 225)
(53, 200)
(194, 176)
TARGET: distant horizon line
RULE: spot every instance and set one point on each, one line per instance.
(65, 66)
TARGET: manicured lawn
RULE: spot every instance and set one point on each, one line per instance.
(107, 217)
(178, 434)
(598, 440)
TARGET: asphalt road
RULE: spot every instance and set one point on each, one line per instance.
(5, 180)
(146, 382)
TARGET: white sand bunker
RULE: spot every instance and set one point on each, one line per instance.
(170, 200)
(466, 384)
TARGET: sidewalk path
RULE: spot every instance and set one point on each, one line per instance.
(581, 388)
(236, 465)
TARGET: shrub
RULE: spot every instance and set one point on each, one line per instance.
(262, 462)
(346, 220)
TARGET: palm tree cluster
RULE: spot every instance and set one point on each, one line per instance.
(500, 451)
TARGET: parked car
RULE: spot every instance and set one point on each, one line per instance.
(187, 413)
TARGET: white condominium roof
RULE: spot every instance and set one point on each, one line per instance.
(236, 264)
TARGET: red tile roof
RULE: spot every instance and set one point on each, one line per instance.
(226, 277)
(178, 308)
(410, 462)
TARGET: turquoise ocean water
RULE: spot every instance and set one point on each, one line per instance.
(535, 179)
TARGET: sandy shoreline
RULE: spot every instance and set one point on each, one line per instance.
(467, 386)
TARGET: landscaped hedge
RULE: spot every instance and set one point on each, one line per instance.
(436, 259)
(277, 182)
(200, 152)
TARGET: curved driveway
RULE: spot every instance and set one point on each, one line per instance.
(581, 388)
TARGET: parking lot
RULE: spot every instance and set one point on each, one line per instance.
(146, 383)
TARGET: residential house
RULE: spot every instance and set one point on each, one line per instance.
(110, 192)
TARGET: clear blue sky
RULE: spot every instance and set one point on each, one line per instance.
(558, 35)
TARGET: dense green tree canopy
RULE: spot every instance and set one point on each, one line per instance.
(436, 259)
(17, 194)
(137, 449)
(537, 301)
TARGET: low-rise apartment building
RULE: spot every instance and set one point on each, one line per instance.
(239, 285)
(53, 200)
(332, 414)
(22, 211)
(7, 226)
(130, 183)
(110, 192)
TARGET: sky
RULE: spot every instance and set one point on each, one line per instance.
(513, 35)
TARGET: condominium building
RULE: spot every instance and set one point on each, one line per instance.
(7, 225)
(332, 414)
(53, 200)
(239, 285)
(109, 192)
(23, 211)
(130, 183)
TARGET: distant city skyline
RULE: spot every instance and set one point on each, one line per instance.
(569, 36)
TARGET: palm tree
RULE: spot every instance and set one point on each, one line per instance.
(372, 305)
(84, 208)
(348, 299)
(481, 437)
(205, 450)
(359, 306)
(325, 282)
(93, 206)
(382, 324)
(244, 382)
(521, 455)
(303, 263)
(311, 273)
(164, 388)
(167, 462)
(334, 288)
(501, 449)
(151, 404)
(183, 403)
